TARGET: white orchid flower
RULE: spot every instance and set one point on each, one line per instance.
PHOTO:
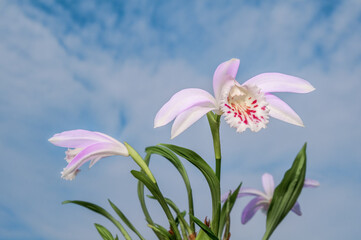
(246, 105)
(84, 146)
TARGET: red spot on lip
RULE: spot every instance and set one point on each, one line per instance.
(263, 108)
(255, 106)
(254, 102)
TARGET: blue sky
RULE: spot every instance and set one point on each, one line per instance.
(109, 66)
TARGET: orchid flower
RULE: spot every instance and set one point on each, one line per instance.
(85, 146)
(262, 200)
(246, 105)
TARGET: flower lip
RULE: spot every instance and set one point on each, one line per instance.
(244, 107)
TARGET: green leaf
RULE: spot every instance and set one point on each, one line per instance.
(205, 228)
(286, 193)
(153, 188)
(226, 211)
(210, 176)
(186, 230)
(125, 220)
(101, 211)
(143, 204)
(170, 156)
(106, 235)
(161, 230)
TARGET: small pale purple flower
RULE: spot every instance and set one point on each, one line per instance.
(262, 200)
(85, 146)
(246, 105)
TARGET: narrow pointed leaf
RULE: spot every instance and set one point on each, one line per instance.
(170, 156)
(210, 176)
(104, 233)
(286, 193)
(144, 205)
(186, 230)
(227, 208)
(153, 188)
(125, 220)
(101, 211)
(205, 228)
(161, 230)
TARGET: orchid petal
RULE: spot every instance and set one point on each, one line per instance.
(180, 102)
(96, 150)
(225, 72)
(268, 184)
(311, 183)
(188, 117)
(280, 110)
(297, 209)
(93, 152)
(278, 82)
(78, 138)
(251, 208)
(251, 192)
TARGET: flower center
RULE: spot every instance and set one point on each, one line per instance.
(245, 107)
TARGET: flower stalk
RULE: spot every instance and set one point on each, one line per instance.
(214, 123)
(139, 160)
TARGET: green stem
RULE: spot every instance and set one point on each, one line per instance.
(214, 122)
(139, 160)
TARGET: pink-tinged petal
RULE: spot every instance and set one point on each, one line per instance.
(311, 183)
(225, 72)
(278, 82)
(252, 207)
(297, 209)
(280, 110)
(79, 138)
(93, 152)
(180, 102)
(96, 150)
(188, 117)
(251, 192)
(268, 184)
